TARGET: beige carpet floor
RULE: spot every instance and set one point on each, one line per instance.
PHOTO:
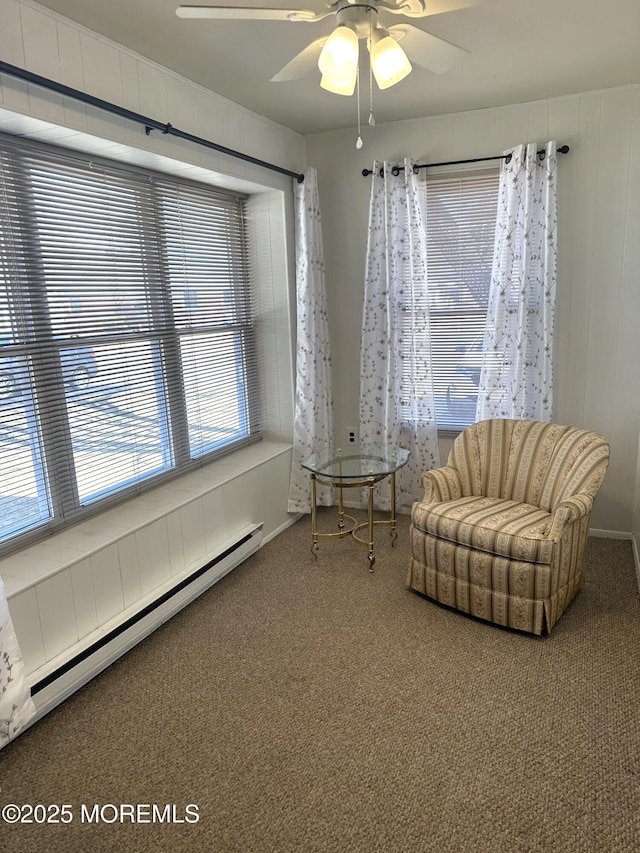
(314, 707)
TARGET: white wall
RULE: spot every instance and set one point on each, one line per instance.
(598, 345)
(636, 521)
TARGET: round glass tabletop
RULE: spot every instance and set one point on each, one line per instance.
(357, 462)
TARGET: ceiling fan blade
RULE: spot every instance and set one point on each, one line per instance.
(439, 7)
(246, 13)
(302, 63)
(426, 50)
(425, 8)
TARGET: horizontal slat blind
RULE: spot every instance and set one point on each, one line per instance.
(461, 219)
(126, 332)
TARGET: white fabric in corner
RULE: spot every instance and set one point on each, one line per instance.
(516, 378)
(313, 420)
(16, 707)
(397, 403)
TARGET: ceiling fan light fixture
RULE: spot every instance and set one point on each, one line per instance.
(389, 62)
(339, 56)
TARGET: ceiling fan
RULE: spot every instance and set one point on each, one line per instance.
(337, 54)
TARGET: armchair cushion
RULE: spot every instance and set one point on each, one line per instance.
(493, 525)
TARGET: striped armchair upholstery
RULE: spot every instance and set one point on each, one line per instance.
(502, 528)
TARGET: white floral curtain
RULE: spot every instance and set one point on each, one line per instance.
(516, 379)
(397, 406)
(16, 707)
(313, 419)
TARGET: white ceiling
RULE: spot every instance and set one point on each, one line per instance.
(519, 50)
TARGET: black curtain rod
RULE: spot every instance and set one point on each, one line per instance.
(149, 123)
(564, 149)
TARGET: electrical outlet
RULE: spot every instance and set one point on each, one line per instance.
(352, 435)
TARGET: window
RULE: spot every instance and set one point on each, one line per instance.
(461, 219)
(127, 347)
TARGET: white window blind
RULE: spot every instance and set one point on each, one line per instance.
(126, 335)
(461, 219)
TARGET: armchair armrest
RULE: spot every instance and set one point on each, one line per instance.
(441, 484)
(569, 510)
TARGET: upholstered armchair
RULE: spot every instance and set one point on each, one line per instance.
(502, 528)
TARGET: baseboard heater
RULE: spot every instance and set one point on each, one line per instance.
(74, 673)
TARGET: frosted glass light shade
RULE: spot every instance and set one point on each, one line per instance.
(388, 60)
(340, 85)
(340, 52)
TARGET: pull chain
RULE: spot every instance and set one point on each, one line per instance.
(359, 142)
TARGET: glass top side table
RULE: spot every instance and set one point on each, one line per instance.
(355, 466)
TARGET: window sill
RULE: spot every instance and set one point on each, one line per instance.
(450, 432)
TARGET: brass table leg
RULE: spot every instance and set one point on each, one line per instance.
(314, 518)
(340, 511)
(392, 520)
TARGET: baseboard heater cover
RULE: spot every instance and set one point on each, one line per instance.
(58, 685)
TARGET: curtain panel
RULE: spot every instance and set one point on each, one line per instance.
(16, 707)
(397, 406)
(313, 418)
(516, 378)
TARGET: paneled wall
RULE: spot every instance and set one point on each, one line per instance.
(67, 593)
(636, 520)
(597, 339)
